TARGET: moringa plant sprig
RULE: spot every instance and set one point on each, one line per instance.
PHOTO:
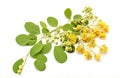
(78, 35)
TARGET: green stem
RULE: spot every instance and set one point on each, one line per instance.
(55, 29)
(39, 37)
(25, 59)
(90, 50)
(81, 41)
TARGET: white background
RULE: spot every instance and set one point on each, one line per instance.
(13, 15)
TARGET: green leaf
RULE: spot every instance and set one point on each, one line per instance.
(52, 21)
(33, 39)
(41, 58)
(26, 40)
(68, 13)
(45, 31)
(47, 47)
(17, 64)
(40, 66)
(43, 24)
(59, 54)
(32, 28)
(34, 51)
(77, 16)
(67, 27)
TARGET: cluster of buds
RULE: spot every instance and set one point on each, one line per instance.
(54, 36)
(20, 69)
(68, 40)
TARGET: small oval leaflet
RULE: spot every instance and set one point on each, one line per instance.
(77, 16)
(40, 66)
(52, 21)
(59, 54)
(41, 58)
(26, 40)
(67, 27)
(45, 31)
(32, 28)
(47, 47)
(68, 13)
(17, 64)
(36, 49)
(43, 24)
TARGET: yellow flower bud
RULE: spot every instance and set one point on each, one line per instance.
(101, 23)
(80, 49)
(66, 48)
(85, 37)
(72, 38)
(20, 67)
(87, 55)
(85, 30)
(92, 44)
(97, 31)
(19, 72)
(78, 27)
(103, 49)
(97, 57)
(102, 36)
(106, 29)
(92, 35)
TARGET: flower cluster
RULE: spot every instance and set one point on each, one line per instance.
(89, 34)
(88, 37)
